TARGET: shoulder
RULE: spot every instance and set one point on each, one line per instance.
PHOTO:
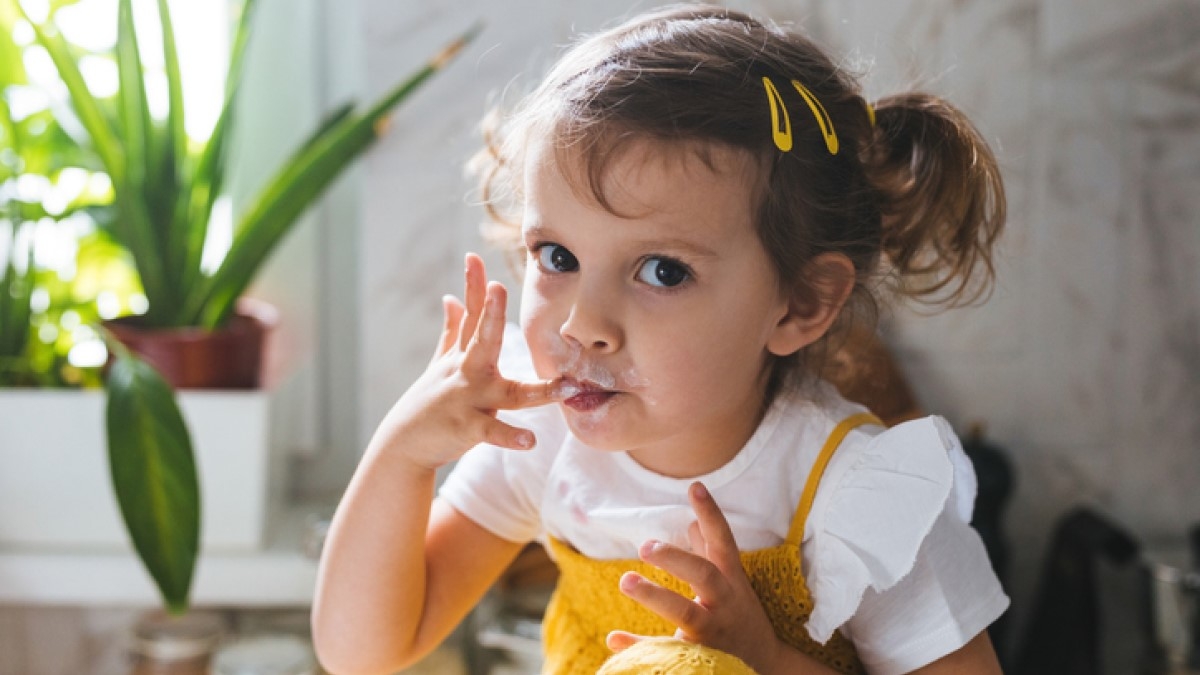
(920, 463)
(876, 505)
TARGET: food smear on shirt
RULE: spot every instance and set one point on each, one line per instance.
(579, 514)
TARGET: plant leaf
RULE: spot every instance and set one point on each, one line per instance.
(133, 219)
(84, 103)
(12, 67)
(172, 154)
(303, 178)
(133, 110)
(207, 176)
(197, 201)
(154, 475)
(241, 36)
(175, 111)
(15, 291)
(139, 197)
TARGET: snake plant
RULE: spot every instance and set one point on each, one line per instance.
(165, 186)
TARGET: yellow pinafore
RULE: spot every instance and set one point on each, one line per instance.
(587, 604)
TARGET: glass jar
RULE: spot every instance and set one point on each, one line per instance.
(162, 644)
(267, 654)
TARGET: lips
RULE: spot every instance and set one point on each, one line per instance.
(591, 396)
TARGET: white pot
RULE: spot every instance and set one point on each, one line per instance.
(55, 489)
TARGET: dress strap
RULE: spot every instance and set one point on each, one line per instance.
(796, 531)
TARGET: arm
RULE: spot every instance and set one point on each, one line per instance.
(977, 657)
(389, 590)
(397, 574)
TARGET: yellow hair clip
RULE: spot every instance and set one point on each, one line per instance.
(781, 124)
(782, 135)
(823, 121)
(870, 111)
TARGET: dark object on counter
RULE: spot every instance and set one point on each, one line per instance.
(1064, 632)
(1194, 638)
(995, 475)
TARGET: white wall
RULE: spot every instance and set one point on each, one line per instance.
(305, 59)
(1085, 365)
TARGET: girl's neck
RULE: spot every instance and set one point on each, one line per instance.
(683, 457)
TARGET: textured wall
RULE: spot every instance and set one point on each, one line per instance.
(1084, 365)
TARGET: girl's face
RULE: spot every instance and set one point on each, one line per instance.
(664, 318)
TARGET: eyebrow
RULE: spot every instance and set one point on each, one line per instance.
(541, 232)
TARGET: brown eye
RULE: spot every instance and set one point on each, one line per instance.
(555, 258)
(663, 272)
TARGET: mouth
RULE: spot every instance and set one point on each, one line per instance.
(590, 396)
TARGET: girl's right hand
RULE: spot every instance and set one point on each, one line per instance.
(452, 406)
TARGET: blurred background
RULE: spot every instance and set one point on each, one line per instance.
(1078, 381)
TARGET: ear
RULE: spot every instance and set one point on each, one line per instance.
(813, 308)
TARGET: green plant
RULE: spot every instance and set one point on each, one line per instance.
(16, 287)
(16, 273)
(35, 150)
(165, 186)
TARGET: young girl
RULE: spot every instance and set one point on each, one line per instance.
(702, 201)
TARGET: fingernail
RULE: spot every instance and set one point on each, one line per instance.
(651, 546)
(699, 491)
(552, 391)
(564, 390)
(630, 581)
(525, 440)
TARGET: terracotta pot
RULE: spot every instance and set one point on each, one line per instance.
(230, 357)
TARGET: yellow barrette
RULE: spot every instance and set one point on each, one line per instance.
(823, 121)
(782, 133)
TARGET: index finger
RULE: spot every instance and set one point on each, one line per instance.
(474, 294)
(483, 348)
(719, 544)
(533, 394)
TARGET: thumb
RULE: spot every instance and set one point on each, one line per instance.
(452, 313)
(619, 640)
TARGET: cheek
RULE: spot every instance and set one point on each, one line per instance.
(539, 328)
(530, 302)
(730, 349)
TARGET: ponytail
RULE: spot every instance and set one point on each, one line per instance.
(941, 198)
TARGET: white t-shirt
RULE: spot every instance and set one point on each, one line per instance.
(887, 552)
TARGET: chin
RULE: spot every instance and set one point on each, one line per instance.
(596, 432)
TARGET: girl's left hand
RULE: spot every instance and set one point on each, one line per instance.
(725, 614)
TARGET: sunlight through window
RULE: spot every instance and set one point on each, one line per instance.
(203, 52)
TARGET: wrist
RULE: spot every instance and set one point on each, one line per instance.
(775, 660)
(397, 461)
(414, 448)
(784, 659)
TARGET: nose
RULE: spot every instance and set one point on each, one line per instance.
(593, 323)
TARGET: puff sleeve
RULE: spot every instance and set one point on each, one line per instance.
(892, 559)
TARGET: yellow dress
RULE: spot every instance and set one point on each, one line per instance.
(588, 604)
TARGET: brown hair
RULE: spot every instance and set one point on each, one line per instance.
(913, 197)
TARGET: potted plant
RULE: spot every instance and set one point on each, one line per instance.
(165, 186)
(54, 260)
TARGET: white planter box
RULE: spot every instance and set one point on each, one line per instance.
(55, 489)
